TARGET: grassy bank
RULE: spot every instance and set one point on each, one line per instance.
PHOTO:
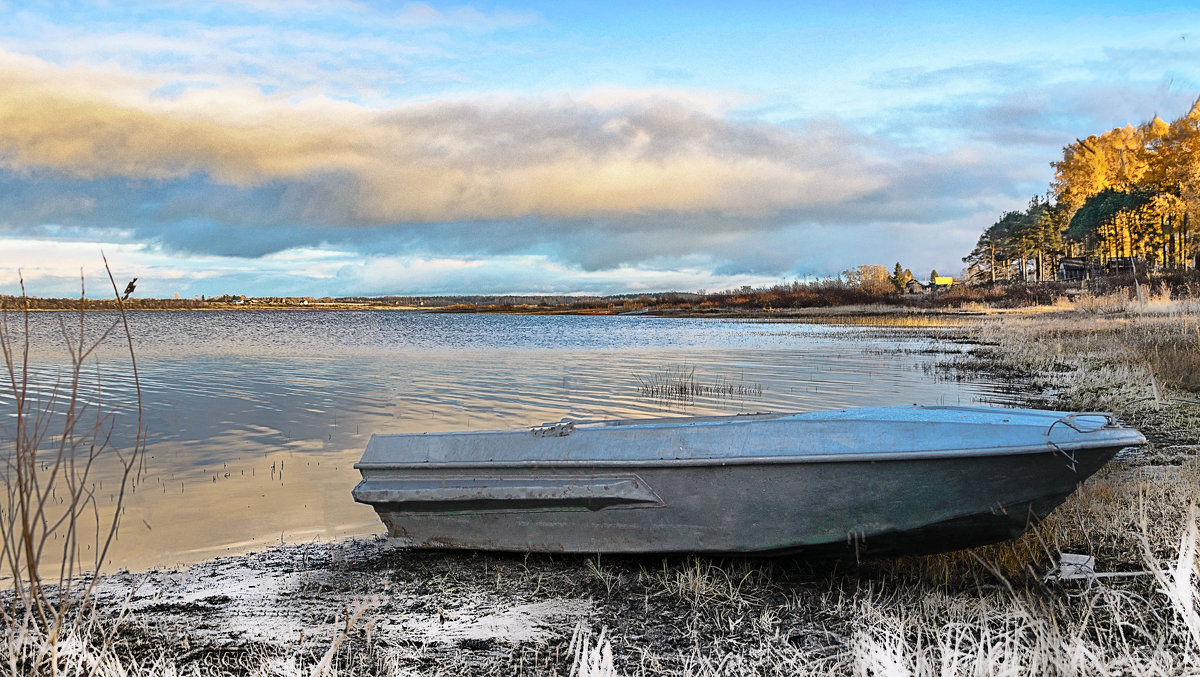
(361, 608)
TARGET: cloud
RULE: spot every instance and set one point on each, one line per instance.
(527, 274)
(366, 52)
(440, 161)
(1040, 103)
(974, 76)
(612, 180)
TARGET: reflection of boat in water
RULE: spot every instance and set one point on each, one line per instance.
(875, 480)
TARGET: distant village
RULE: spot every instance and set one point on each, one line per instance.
(865, 285)
(1015, 282)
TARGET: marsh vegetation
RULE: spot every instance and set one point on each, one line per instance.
(677, 383)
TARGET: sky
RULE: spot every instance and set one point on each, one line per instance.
(304, 148)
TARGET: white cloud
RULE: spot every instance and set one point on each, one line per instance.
(438, 161)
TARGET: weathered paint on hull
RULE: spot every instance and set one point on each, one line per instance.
(884, 507)
(839, 501)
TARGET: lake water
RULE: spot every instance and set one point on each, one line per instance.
(255, 418)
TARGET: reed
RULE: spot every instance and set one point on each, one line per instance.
(61, 441)
(679, 384)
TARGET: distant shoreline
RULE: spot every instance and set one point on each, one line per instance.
(821, 313)
(819, 299)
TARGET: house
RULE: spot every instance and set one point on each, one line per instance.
(937, 284)
(1074, 268)
(1125, 264)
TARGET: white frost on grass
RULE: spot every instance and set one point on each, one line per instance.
(530, 622)
(590, 659)
(276, 597)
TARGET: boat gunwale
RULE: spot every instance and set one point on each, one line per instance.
(853, 457)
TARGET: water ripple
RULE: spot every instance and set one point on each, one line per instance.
(254, 419)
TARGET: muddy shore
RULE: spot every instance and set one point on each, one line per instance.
(475, 613)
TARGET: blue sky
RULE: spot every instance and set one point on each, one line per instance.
(265, 147)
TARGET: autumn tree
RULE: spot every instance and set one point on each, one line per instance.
(871, 279)
(1128, 192)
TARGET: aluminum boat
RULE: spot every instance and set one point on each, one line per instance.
(864, 481)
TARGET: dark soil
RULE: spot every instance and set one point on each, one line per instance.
(483, 613)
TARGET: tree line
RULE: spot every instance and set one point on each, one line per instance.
(1129, 193)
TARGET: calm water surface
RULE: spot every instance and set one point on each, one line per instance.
(256, 417)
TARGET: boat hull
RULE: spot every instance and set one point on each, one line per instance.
(680, 492)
